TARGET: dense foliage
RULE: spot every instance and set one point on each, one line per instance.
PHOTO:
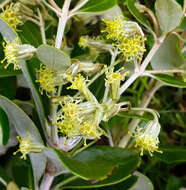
(92, 94)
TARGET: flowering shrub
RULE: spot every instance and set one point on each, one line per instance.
(90, 119)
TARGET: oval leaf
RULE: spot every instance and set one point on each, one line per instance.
(172, 155)
(24, 125)
(169, 14)
(110, 185)
(170, 80)
(6, 31)
(168, 55)
(53, 57)
(98, 6)
(143, 182)
(5, 128)
(99, 161)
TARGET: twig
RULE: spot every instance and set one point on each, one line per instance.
(46, 182)
(52, 2)
(42, 26)
(163, 71)
(68, 180)
(152, 16)
(143, 66)
(78, 6)
(52, 8)
(62, 23)
(32, 20)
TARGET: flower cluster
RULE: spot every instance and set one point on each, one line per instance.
(127, 36)
(14, 52)
(11, 53)
(26, 146)
(10, 16)
(147, 138)
(77, 119)
(47, 80)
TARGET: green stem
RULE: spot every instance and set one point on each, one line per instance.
(66, 181)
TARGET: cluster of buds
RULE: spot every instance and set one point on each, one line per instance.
(26, 146)
(126, 35)
(14, 52)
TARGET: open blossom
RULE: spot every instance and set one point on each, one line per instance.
(26, 146)
(77, 119)
(128, 36)
(114, 28)
(11, 53)
(10, 16)
(14, 52)
(46, 80)
(147, 139)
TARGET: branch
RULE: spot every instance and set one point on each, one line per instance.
(81, 4)
(62, 23)
(42, 26)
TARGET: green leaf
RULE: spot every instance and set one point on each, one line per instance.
(168, 55)
(29, 78)
(5, 128)
(169, 14)
(143, 182)
(182, 26)
(38, 161)
(6, 31)
(98, 6)
(139, 17)
(53, 57)
(29, 33)
(82, 184)
(175, 183)
(24, 125)
(9, 72)
(170, 80)
(172, 155)
(99, 161)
